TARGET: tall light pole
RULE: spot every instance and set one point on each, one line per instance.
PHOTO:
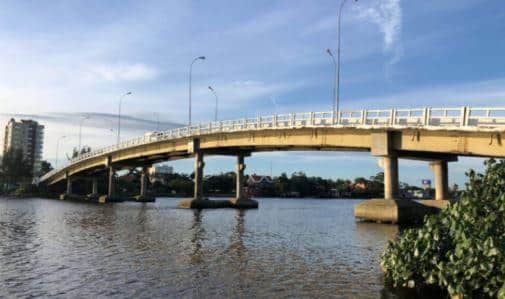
(58, 149)
(85, 117)
(119, 117)
(339, 18)
(190, 73)
(215, 95)
(334, 99)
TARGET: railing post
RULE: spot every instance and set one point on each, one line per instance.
(293, 119)
(312, 118)
(463, 116)
(258, 122)
(363, 117)
(392, 117)
(274, 121)
(426, 115)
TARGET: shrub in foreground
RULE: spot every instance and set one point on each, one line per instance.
(462, 248)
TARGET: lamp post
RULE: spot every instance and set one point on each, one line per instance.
(190, 73)
(339, 18)
(85, 117)
(119, 117)
(334, 98)
(215, 95)
(58, 149)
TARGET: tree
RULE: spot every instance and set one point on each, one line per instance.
(45, 167)
(462, 249)
(15, 168)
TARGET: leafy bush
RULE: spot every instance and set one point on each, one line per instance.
(462, 249)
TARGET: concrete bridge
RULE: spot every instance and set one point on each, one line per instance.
(436, 135)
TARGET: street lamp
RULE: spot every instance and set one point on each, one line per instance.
(119, 117)
(58, 149)
(85, 117)
(190, 73)
(334, 98)
(215, 95)
(339, 18)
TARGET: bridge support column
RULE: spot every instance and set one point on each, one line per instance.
(94, 186)
(440, 171)
(94, 190)
(199, 165)
(391, 209)
(111, 186)
(198, 201)
(241, 201)
(68, 188)
(143, 197)
(391, 183)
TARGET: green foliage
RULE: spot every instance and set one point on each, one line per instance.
(14, 168)
(462, 249)
(45, 167)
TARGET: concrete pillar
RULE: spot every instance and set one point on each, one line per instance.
(69, 185)
(440, 171)
(240, 177)
(143, 181)
(391, 189)
(111, 183)
(199, 164)
(94, 186)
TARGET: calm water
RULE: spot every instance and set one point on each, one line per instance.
(286, 248)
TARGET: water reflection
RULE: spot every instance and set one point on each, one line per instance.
(287, 248)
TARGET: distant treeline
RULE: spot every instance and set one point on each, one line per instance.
(296, 185)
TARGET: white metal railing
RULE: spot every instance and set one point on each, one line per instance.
(463, 117)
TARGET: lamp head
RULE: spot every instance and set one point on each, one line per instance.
(210, 87)
(128, 93)
(201, 57)
(329, 52)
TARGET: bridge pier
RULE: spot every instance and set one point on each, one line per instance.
(143, 197)
(200, 202)
(68, 191)
(111, 185)
(241, 201)
(440, 171)
(391, 182)
(391, 209)
(94, 195)
(94, 186)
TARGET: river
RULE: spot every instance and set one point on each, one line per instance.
(286, 248)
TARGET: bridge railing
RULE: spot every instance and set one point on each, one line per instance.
(460, 117)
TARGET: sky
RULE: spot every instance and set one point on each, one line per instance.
(60, 60)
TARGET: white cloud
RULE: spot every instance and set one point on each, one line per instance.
(387, 15)
(124, 72)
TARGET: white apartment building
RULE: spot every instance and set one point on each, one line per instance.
(28, 136)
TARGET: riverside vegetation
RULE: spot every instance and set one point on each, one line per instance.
(461, 250)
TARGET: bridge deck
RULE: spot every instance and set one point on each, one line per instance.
(416, 133)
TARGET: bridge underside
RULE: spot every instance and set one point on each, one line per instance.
(437, 146)
(419, 144)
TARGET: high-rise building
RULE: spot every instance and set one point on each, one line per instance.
(28, 136)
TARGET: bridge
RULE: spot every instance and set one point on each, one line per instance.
(436, 135)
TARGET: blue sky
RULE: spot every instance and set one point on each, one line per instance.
(60, 59)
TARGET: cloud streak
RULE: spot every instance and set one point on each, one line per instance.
(387, 15)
